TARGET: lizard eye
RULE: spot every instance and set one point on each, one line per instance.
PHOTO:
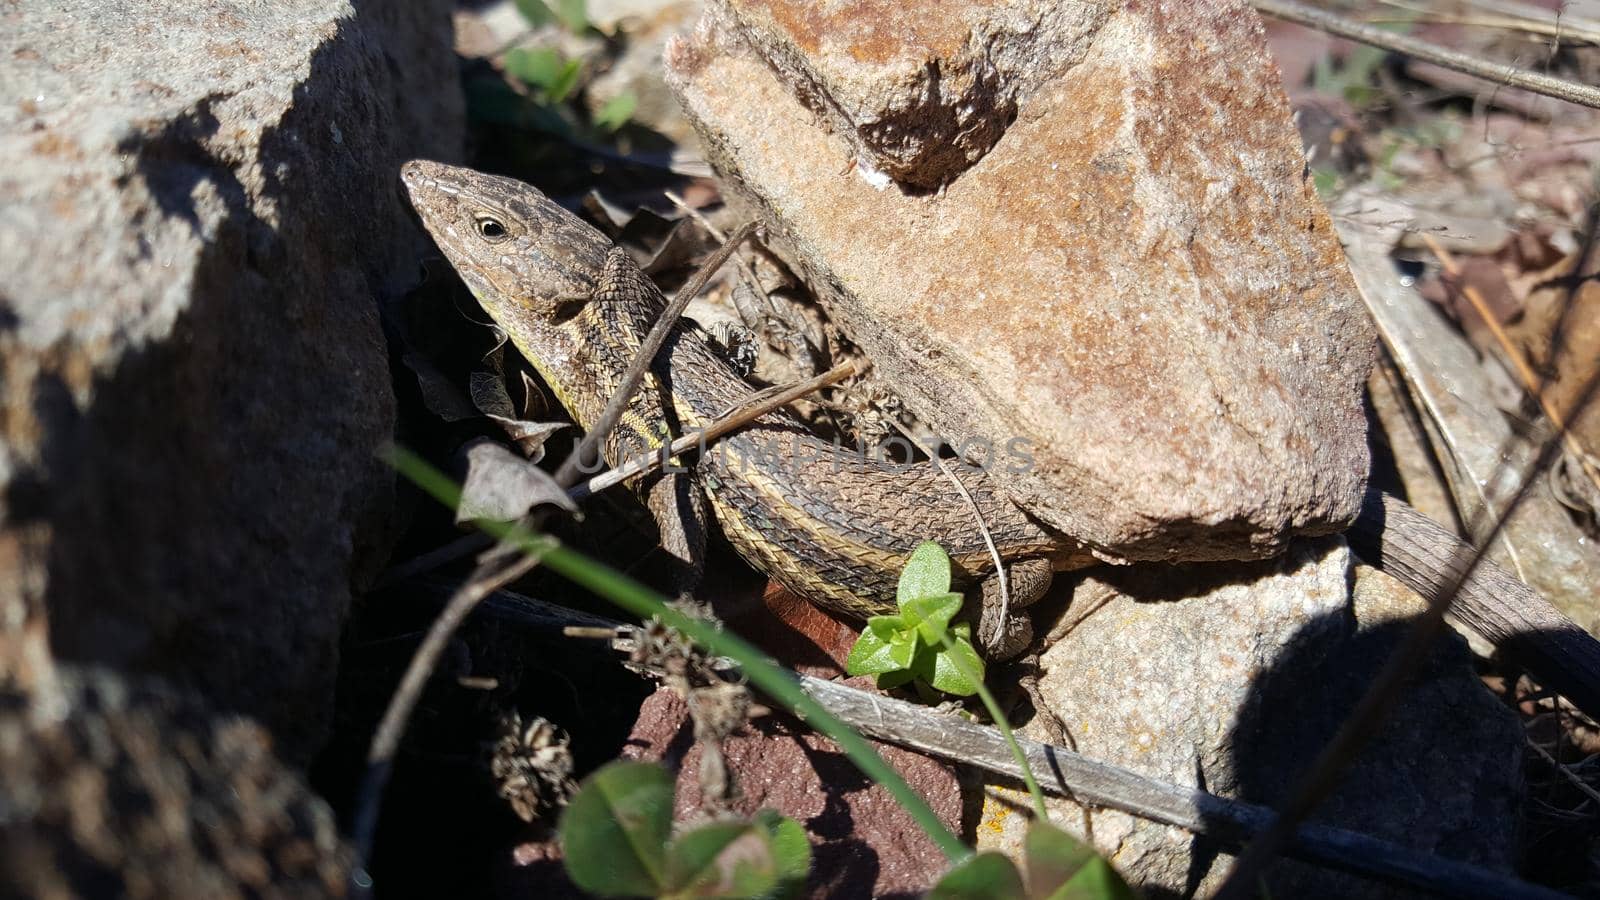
(492, 229)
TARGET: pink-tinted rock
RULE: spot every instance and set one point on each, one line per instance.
(1136, 279)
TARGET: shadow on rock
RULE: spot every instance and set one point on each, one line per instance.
(1423, 781)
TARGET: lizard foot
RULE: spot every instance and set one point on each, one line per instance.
(1002, 634)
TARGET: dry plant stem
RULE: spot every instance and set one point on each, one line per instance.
(568, 473)
(803, 349)
(1499, 73)
(1067, 773)
(744, 266)
(1555, 651)
(1376, 703)
(1530, 9)
(1416, 433)
(386, 740)
(1504, 23)
(1532, 21)
(646, 462)
(1531, 382)
(1564, 772)
(1040, 811)
(433, 559)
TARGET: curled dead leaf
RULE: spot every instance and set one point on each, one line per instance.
(501, 486)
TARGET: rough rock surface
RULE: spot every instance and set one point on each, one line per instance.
(1232, 677)
(1136, 279)
(920, 107)
(199, 215)
(130, 790)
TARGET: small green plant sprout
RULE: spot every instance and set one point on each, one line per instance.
(573, 15)
(553, 77)
(545, 70)
(616, 112)
(617, 840)
(1055, 866)
(913, 645)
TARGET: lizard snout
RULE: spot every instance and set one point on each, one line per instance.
(418, 173)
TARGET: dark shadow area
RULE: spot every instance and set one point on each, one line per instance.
(213, 502)
(843, 865)
(1421, 769)
(207, 474)
(444, 831)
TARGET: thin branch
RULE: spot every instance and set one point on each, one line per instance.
(568, 474)
(1230, 822)
(716, 233)
(386, 740)
(644, 462)
(738, 418)
(782, 323)
(1502, 23)
(498, 569)
(1564, 772)
(1533, 21)
(482, 583)
(423, 563)
(1499, 73)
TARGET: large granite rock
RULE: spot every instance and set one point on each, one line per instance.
(1124, 264)
(1232, 677)
(132, 790)
(199, 215)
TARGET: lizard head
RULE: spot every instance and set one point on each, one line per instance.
(529, 262)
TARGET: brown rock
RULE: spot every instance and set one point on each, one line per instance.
(1136, 281)
(919, 103)
(199, 215)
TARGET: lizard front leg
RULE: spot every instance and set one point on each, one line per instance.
(679, 509)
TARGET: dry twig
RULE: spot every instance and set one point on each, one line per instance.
(1499, 73)
(735, 419)
(1531, 382)
(1380, 696)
